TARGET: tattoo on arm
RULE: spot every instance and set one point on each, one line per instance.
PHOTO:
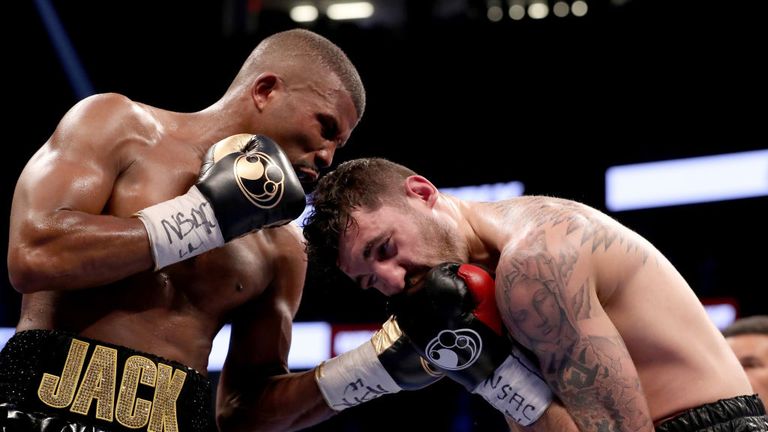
(580, 302)
(587, 371)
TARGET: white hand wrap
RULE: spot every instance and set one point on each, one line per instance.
(516, 390)
(354, 377)
(181, 228)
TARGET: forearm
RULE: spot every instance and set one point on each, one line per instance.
(283, 403)
(75, 250)
(555, 418)
(598, 384)
(616, 406)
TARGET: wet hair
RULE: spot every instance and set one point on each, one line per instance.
(303, 49)
(757, 324)
(355, 184)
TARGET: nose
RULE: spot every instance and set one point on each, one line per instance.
(390, 277)
(324, 157)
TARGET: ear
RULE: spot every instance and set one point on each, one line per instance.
(422, 189)
(264, 86)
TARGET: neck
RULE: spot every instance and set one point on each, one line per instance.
(463, 218)
(212, 124)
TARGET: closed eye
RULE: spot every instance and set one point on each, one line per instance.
(329, 128)
(520, 316)
(378, 248)
(385, 249)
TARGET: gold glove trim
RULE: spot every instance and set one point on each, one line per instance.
(386, 336)
(389, 333)
(231, 144)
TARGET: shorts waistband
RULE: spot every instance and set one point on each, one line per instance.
(112, 387)
(742, 413)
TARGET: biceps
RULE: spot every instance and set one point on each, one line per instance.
(53, 180)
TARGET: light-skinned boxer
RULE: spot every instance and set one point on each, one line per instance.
(619, 336)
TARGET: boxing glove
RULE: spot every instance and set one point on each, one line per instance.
(246, 183)
(386, 364)
(453, 321)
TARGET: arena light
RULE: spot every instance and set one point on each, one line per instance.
(516, 11)
(487, 192)
(219, 349)
(344, 341)
(687, 181)
(494, 13)
(310, 344)
(723, 314)
(349, 11)
(561, 9)
(65, 51)
(303, 13)
(579, 8)
(538, 10)
(5, 334)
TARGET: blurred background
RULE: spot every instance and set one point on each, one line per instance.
(548, 94)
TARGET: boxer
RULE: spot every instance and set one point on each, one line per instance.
(619, 336)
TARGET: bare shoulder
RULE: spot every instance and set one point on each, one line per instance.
(560, 223)
(550, 211)
(539, 211)
(289, 236)
(101, 123)
(286, 245)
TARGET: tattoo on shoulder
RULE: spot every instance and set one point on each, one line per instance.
(595, 232)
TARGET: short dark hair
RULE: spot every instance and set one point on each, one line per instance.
(757, 324)
(355, 184)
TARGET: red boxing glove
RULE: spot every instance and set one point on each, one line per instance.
(483, 289)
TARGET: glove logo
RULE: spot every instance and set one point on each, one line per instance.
(260, 179)
(455, 349)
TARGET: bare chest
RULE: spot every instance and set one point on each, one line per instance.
(199, 293)
(158, 173)
(174, 313)
(221, 280)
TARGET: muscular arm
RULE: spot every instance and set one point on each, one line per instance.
(555, 418)
(547, 302)
(59, 238)
(256, 390)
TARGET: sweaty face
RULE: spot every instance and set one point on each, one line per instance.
(392, 248)
(310, 118)
(752, 351)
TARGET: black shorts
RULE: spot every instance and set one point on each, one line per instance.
(739, 414)
(55, 381)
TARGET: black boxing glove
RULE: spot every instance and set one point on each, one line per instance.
(246, 183)
(386, 364)
(453, 321)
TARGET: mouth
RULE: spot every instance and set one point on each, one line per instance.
(306, 174)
